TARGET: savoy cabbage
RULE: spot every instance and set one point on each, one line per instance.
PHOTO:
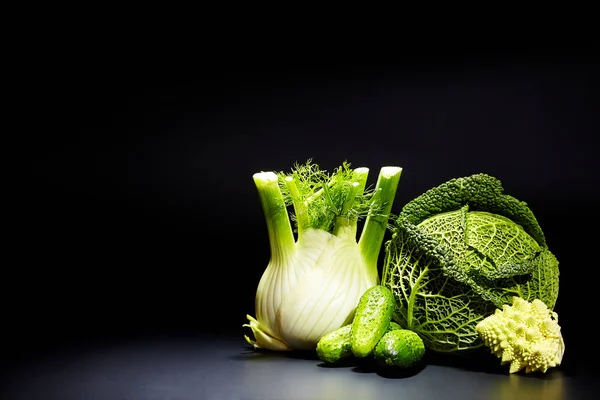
(458, 252)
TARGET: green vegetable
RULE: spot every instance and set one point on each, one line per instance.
(336, 346)
(372, 319)
(458, 252)
(525, 335)
(393, 326)
(312, 283)
(399, 348)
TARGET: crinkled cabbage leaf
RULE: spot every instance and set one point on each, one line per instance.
(460, 251)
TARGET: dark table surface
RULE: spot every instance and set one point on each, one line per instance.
(217, 367)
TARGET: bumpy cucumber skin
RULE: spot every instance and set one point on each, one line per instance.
(393, 326)
(336, 346)
(399, 348)
(372, 319)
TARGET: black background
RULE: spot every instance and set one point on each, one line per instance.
(137, 214)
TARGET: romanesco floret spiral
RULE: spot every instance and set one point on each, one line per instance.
(526, 335)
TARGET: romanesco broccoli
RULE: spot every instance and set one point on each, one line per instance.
(526, 335)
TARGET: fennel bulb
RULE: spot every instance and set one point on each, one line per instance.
(312, 284)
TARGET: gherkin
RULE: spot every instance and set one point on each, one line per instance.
(458, 252)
